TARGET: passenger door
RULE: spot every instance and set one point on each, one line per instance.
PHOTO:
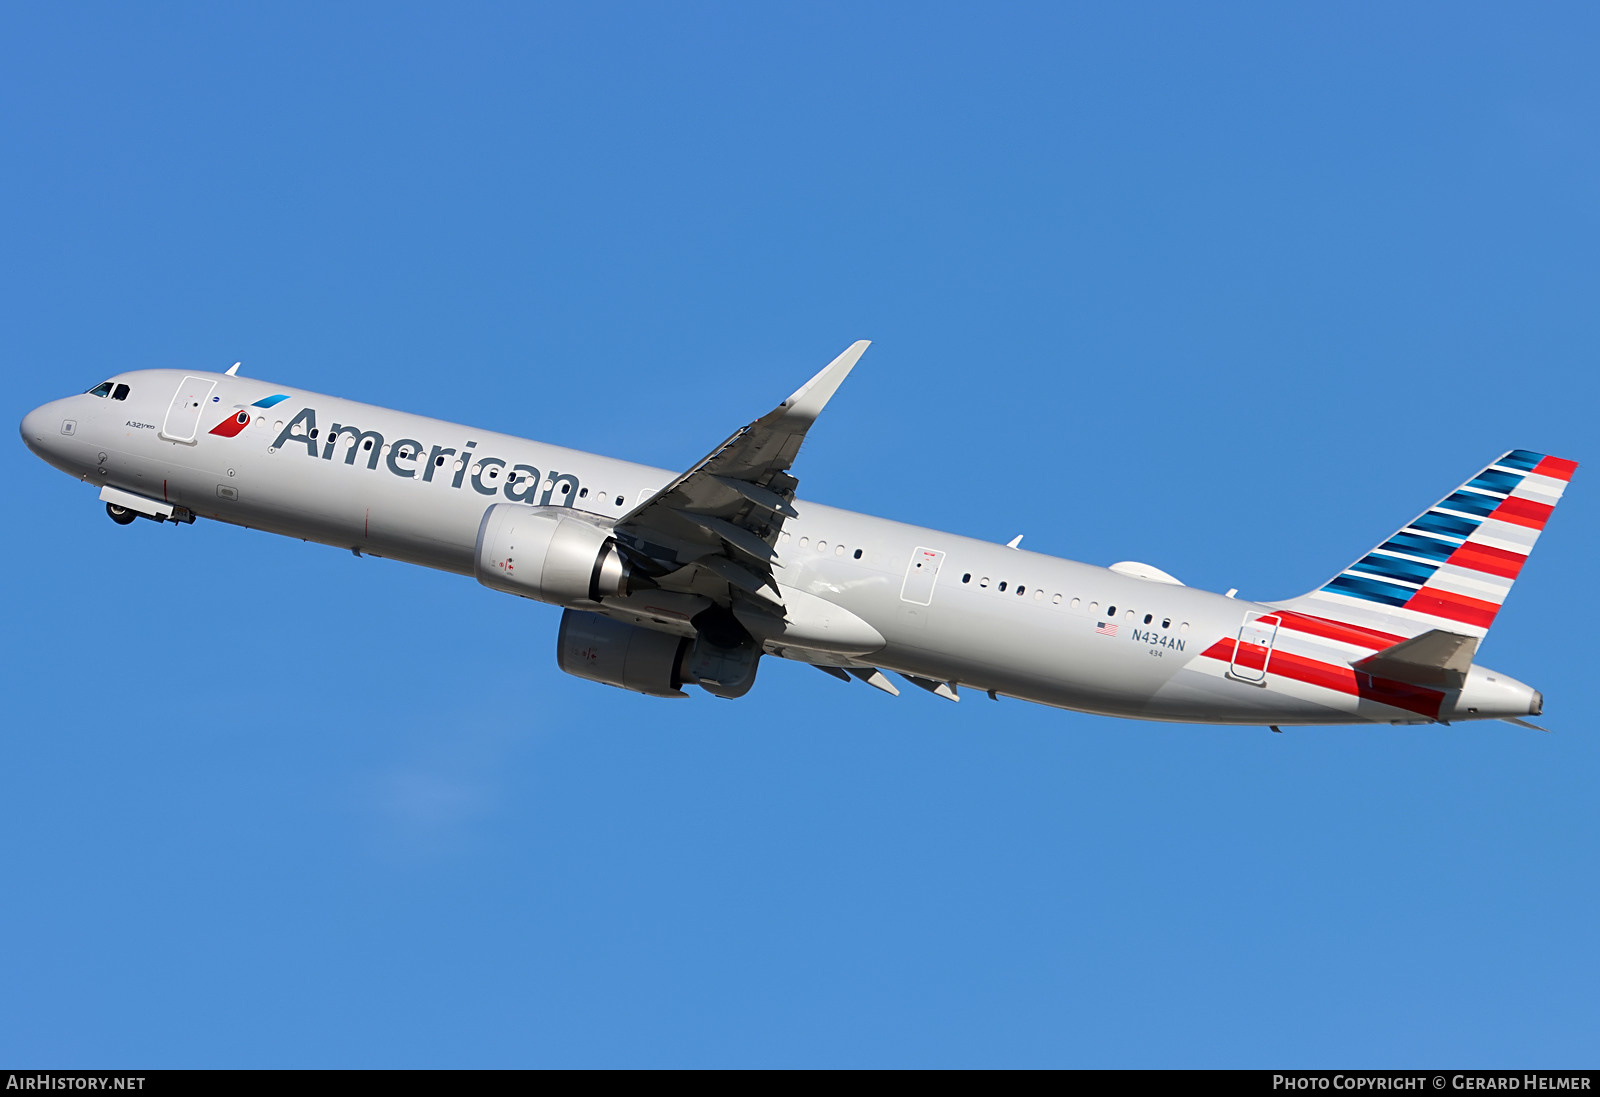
(1252, 649)
(183, 415)
(921, 573)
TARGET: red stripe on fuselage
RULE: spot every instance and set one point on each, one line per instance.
(1340, 679)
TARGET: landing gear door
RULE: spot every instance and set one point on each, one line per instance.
(188, 404)
(921, 573)
(1252, 650)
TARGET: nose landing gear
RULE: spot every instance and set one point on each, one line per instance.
(124, 506)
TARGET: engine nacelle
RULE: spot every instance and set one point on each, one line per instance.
(619, 654)
(553, 554)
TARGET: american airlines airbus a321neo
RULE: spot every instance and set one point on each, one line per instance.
(667, 581)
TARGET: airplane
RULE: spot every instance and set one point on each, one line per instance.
(667, 581)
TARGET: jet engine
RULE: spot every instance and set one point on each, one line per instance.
(553, 554)
(619, 654)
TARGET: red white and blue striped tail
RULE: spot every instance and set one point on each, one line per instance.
(1452, 567)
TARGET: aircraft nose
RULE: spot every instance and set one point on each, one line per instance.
(33, 428)
(47, 428)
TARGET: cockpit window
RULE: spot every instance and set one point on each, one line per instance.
(120, 392)
(102, 389)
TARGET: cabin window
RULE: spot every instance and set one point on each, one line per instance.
(1148, 618)
(314, 432)
(967, 578)
(1077, 603)
(984, 582)
(1038, 594)
(1094, 607)
(1111, 611)
(1128, 616)
(858, 556)
(1055, 600)
(1166, 622)
(583, 493)
(838, 550)
(1002, 584)
(120, 392)
(368, 445)
(1021, 590)
(804, 541)
(619, 500)
(1184, 627)
(438, 461)
(102, 390)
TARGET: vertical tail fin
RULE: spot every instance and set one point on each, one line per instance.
(1451, 567)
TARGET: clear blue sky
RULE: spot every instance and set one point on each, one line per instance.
(1233, 289)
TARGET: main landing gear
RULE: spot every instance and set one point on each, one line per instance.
(122, 516)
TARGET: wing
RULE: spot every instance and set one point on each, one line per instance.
(712, 530)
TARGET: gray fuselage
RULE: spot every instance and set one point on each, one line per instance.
(1022, 624)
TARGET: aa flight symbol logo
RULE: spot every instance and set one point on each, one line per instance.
(233, 424)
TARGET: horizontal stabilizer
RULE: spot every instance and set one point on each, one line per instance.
(1523, 724)
(1436, 658)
